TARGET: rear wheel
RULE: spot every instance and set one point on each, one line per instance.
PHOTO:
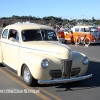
(27, 77)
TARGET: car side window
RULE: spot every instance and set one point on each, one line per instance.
(82, 30)
(13, 35)
(76, 29)
(87, 29)
(5, 34)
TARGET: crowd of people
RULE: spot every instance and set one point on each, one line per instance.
(62, 28)
(57, 29)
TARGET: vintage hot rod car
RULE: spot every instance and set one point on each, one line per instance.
(35, 52)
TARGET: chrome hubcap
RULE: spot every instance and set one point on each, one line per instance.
(26, 75)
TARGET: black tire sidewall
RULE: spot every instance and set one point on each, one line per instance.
(87, 43)
(32, 81)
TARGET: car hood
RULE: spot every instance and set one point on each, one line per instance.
(53, 48)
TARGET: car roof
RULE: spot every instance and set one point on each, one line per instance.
(83, 26)
(23, 26)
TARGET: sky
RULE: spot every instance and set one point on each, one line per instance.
(69, 9)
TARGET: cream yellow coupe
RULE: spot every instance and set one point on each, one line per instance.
(35, 52)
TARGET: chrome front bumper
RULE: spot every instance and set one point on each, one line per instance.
(64, 80)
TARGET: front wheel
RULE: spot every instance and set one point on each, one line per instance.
(87, 41)
(27, 77)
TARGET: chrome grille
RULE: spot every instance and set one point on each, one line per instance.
(75, 71)
(66, 69)
(55, 73)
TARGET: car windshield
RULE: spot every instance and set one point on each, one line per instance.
(39, 35)
(90, 28)
(93, 28)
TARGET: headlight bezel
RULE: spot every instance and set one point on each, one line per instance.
(45, 63)
(85, 61)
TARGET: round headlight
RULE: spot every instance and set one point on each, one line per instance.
(85, 60)
(45, 63)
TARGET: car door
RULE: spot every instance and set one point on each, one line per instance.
(12, 50)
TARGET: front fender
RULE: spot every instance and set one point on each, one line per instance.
(33, 61)
(77, 62)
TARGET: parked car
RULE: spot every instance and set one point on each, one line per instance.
(86, 34)
(35, 52)
(81, 34)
